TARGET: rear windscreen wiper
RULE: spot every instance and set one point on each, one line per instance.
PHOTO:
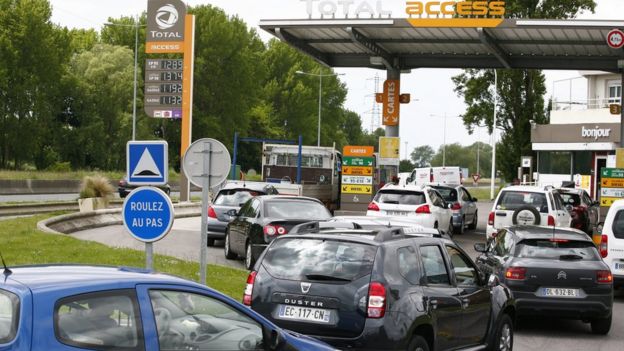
(326, 277)
(570, 257)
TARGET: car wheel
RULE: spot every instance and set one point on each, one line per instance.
(460, 229)
(418, 343)
(211, 242)
(526, 215)
(450, 229)
(601, 326)
(475, 220)
(227, 250)
(250, 261)
(503, 339)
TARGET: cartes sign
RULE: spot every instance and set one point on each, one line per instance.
(357, 189)
(612, 186)
(358, 171)
(391, 103)
(358, 161)
(357, 180)
(358, 151)
(165, 26)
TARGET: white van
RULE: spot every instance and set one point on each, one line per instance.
(612, 242)
(449, 176)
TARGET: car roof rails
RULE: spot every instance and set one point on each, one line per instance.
(318, 226)
(406, 232)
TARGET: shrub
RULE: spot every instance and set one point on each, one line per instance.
(60, 167)
(95, 186)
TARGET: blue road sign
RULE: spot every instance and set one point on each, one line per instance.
(148, 214)
(147, 162)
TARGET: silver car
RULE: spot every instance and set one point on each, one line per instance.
(463, 205)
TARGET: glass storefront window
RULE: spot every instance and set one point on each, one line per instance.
(583, 162)
(554, 162)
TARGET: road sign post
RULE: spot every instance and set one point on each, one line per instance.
(148, 216)
(206, 164)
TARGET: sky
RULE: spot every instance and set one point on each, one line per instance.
(431, 89)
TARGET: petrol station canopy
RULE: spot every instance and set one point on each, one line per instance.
(395, 43)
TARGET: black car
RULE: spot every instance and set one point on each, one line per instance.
(123, 188)
(584, 211)
(232, 196)
(552, 272)
(263, 218)
(392, 289)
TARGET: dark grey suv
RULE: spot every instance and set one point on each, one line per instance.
(380, 290)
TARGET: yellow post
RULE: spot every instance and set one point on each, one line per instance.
(187, 100)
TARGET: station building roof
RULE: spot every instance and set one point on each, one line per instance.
(396, 43)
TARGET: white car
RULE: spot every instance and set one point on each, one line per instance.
(527, 205)
(612, 243)
(421, 203)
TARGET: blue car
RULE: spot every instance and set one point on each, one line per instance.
(70, 307)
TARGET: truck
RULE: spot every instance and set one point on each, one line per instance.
(320, 170)
(450, 176)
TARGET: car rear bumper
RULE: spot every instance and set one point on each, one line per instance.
(591, 307)
(216, 230)
(457, 219)
(374, 337)
(618, 281)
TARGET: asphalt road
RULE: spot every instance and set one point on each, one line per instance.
(545, 334)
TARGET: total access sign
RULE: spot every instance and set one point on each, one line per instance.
(148, 214)
(165, 26)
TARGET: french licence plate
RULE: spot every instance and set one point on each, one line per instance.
(397, 213)
(304, 314)
(560, 292)
(619, 265)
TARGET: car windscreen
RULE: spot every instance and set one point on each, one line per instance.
(448, 194)
(400, 197)
(235, 197)
(9, 316)
(513, 200)
(315, 259)
(295, 209)
(557, 249)
(571, 199)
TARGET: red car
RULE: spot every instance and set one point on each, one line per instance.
(585, 212)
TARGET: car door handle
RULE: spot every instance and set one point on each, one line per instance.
(501, 214)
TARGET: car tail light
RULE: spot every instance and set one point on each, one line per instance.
(491, 218)
(551, 221)
(456, 206)
(274, 229)
(604, 246)
(424, 209)
(373, 207)
(604, 277)
(430, 177)
(515, 273)
(251, 279)
(211, 212)
(376, 300)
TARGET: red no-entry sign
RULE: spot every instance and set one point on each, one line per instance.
(615, 38)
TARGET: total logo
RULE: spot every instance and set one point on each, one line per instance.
(166, 17)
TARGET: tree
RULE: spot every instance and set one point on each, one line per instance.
(422, 156)
(466, 157)
(521, 92)
(406, 166)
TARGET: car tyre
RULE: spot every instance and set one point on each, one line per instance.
(227, 249)
(418, 343)
(250, 261)
(475, 220)
(503, 339)
(536, 215)
(460, 228)
(601, 326)
(450, 230)
(211, 242)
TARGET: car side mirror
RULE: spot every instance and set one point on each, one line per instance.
(480, 247)
(493, 281)
(474, 199)
(273, 338)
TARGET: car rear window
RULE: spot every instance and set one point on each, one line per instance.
(618, 225)
(296, 209)
(9, 316)
(557, 249)
(400, 197)
(448, 194)
(235, 197)
(321, 260)
(513, 200)
(571, 199)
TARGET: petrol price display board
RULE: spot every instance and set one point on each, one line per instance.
(163, 88)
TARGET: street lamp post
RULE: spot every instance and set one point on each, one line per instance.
(444, 140)
(318, 138)
(493, 180)
(136, 26)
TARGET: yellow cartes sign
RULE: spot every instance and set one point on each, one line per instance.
(359, 171)
(612, 182)
(474, 14)
(357, 189)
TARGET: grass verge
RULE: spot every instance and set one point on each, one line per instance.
(22, 244)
